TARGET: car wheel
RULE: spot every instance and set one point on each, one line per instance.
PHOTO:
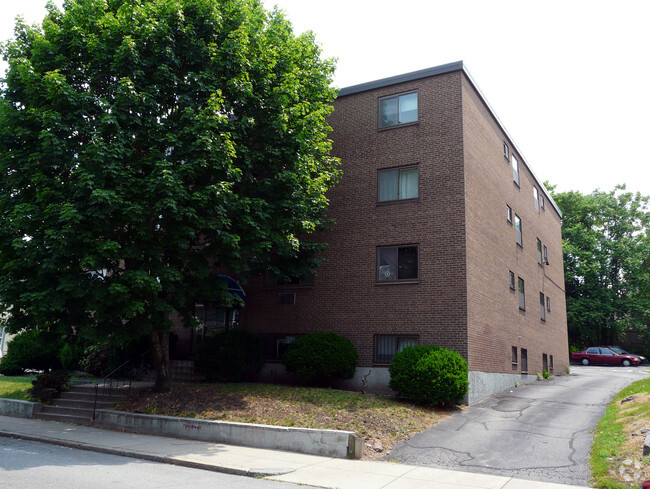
(585, 361)
(626, 363)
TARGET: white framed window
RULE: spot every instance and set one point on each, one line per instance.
(397, 184)
(536, 197)
(511, 279)
(387, 346)
(509, 213)
(397, 263)
(515, 170)
(506, 151)
(541, 201)
(518, 231)
(546, 255)
(548, 304)
(398, 109)
(521, 287)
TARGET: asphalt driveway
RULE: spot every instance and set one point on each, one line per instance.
(539, 431)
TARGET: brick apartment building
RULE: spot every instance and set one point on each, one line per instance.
(443, 236)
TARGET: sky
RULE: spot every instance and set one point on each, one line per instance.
(566, 78)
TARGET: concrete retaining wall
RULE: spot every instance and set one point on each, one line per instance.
(330, 443)
(484, 384)
(19, 409)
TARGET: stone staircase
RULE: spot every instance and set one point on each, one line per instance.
(76, 404)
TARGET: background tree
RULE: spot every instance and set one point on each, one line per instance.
(606, 244)
(145, 143)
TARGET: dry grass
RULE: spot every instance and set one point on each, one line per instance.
(382, 422)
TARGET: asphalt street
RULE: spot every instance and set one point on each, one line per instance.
(539, 431)
(30, 465)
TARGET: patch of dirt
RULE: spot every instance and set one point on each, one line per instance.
(382, 422)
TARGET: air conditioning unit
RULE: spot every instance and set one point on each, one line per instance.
(386, 272)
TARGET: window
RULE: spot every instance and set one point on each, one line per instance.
(397, 184)
(213, 317)
(506, 151)
(524, 360)
(541, 201)
(550, 366)
(544, 362)
(400, 109)
(546, 255)
(397, 263)
(386, 347)
(274, 345)
(515, 170)
(515, 359)
(509, 213)
(536, 197)
(548, 304)
(542, 307)
(287, 298)
(520, 239)
(539, 251)
(522, 293)
(512, 279)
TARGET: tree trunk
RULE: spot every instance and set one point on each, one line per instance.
(160, 349)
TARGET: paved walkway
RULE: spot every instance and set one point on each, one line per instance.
(297, 468)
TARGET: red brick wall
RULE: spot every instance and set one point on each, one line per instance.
(462, 298)
(346, 297)
(495, 320)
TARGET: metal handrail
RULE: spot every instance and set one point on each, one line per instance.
(106, 380)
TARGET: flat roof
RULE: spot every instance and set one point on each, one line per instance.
(440, 70)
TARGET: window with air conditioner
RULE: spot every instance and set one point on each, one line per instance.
(396, 263)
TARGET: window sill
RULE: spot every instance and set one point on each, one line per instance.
(381, 203)
(395, 126)
(397, 282)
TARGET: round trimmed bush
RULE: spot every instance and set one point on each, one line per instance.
(32, 350)
(320, 357)
(230, 356)
(429, 375)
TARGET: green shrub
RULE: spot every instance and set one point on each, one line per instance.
(230, 356)
(32, 350)
(49, 386)
(99, 360)
(429, 375)
(320, 357)
(71, 355)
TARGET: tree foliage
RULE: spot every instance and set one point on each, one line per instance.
(144, 143)
(606, 243)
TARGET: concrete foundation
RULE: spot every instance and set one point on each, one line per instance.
(484, 384)
(330, 443)
(19, 409)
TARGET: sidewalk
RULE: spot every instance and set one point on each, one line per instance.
(276, 465)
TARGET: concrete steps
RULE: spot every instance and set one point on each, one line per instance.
(76, 405)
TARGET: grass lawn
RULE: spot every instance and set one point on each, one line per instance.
(617, 460)
(380, 421)
(15, 388)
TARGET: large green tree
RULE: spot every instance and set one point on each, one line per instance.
(606, 244)
(145, 143)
